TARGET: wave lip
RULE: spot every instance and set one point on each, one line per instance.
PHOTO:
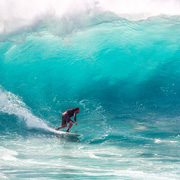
(25, 17)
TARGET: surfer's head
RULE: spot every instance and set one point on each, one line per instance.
(77, 110)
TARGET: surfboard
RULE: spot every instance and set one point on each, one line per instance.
(64, 133)
(67, 133)
(72, 134)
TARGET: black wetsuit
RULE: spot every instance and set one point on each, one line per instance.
(66, 116)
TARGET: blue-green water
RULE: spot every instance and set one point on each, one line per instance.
(125, 77)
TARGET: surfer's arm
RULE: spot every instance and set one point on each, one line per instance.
(75, 119)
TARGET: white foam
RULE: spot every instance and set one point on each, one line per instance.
(21, 16)
(13, 105)
(2, 176)
(8, 154)
(164, 141)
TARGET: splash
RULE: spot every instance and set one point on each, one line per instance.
(12, 105)
(62, 18)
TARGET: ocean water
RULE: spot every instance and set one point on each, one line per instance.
(119, 61)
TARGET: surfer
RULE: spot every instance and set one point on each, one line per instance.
(66, 118)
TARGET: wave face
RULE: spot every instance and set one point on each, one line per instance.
(118, 61)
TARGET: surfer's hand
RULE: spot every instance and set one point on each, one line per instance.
(75, 123)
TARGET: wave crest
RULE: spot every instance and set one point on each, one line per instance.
(63, 18)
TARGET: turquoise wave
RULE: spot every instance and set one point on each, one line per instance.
(115, 65)
(119, 61)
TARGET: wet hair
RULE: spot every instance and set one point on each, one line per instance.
(77, 109)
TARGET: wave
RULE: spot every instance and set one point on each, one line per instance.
(89, 57)
(63, 18)
(12, 105)
(15, 114)
(124, 60)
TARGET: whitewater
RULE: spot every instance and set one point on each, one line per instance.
(118, 61)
